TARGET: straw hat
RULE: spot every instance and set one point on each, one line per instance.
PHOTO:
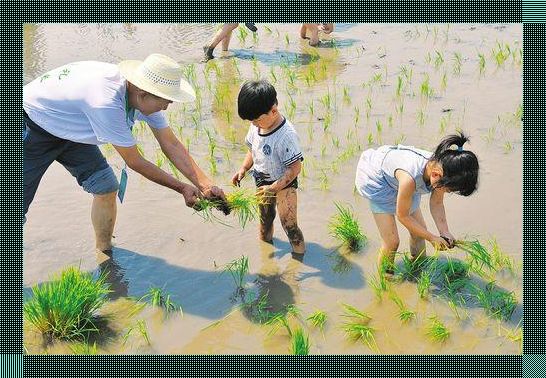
(159, 75)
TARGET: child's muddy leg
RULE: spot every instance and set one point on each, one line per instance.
(287, 205)
(417, 245)
(389, 241)
(267, 216)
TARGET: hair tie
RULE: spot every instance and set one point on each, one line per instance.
(460, 148)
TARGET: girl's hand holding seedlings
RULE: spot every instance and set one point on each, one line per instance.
(440, 243)
(236, 179)
(450, 238)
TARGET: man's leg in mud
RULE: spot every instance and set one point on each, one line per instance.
(267, 216)
(103, 216)
(287, 206)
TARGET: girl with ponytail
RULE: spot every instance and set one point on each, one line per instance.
(393, 179)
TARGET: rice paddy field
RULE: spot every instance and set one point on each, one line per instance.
(181, 283)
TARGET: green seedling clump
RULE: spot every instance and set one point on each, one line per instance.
(238, 270)
(300, 343)
(344, 227)
(497, 302)
(437, 331)
(318, 319)
(67, 307)
(158, 298)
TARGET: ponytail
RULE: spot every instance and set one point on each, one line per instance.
(460, 167)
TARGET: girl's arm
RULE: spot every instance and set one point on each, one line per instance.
(438, 213)
(406, 189)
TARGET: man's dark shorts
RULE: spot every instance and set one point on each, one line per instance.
(84, 161)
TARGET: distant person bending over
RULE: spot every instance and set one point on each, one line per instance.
(394, 178)
(72, 109)
(275, 154)
(223, 35)
(313, 30)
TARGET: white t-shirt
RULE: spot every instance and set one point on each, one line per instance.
(84, 102)
(272, 153)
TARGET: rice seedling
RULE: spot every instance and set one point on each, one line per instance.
(345, 227)
(508, 147)
(423, 284)
(501, 54)
(457, 63)
(481, 63)
(158, 298)
(443, 82)
(268, 29)
(286, 39)
(426, 89)
(477, 256)
(335, 141)
(281, 319)
(300, 343)
(327, 121)
(67, 306)
(244, 205)
(370, 139)
(159, 158)
(404, 314)
(242, 35)
(326, 101)
(238, 269)
(84, 348)
(500, 260)
(346, 95)
(357, 328)
(273, 75)
(436, 330)
(379, 282)
(142, 329)
(379, 126)
(318, 319)
(438, 60)
(368, 107)
(421, 117)
(497, 302)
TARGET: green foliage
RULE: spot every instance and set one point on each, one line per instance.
(344, 227)
(67, 306)
(238, 269)
(436, 330)
(300, 343)
(318, 319)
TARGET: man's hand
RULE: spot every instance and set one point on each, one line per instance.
(213, 191)
(191, 195)
(449, 238)
(236, 179)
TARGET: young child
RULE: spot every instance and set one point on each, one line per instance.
(313, 30)
(275, 154)
(393, 178)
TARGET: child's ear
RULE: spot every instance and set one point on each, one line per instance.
(274, 109)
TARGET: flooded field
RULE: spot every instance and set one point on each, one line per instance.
(365, 85)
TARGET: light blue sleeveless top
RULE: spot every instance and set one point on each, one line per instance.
(375, 175)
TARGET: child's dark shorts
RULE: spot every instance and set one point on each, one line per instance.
(293, 183)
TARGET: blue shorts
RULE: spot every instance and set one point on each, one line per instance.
(84, 161)
(390, 208)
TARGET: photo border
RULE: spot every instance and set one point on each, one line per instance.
(11, 255)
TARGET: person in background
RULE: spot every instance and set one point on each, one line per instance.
(311, 32)
(223, 35)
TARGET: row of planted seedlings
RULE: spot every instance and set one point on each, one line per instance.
(468, 282)
(73, 307)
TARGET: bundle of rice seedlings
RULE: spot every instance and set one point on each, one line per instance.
(300, 343)
(357, 328)
(477, 256)
(84, 348)
(436, 330)
(453, 275)
(238, 269)
(243, 203)
(158, 298)
(344, 227)
(423, 284)
(497, 302)
(404, 314)
(318, 319)
(67, 307)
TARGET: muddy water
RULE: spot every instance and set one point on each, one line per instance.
(160, 242)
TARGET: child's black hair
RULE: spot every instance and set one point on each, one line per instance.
(460, 166)
(256, 98)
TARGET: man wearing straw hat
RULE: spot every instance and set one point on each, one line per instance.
(71, 110)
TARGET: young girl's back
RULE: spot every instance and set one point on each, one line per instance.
(375, 175)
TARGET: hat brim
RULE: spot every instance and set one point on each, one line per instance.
(129, 69)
